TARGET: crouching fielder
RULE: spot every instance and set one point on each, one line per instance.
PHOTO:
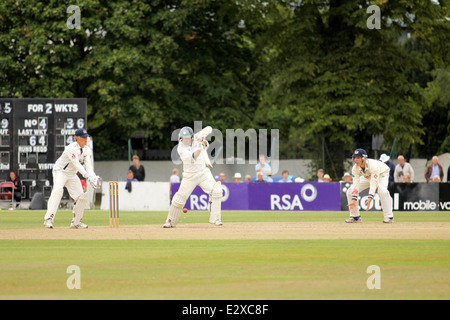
(372, 174)
(65, 175)
(195, 173)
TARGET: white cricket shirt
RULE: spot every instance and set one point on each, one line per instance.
(373, 171)
(71, 159)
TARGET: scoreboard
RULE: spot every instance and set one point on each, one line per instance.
(33, 134)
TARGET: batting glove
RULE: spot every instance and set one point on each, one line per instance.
(204, 143)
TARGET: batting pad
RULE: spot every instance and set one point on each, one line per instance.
(215, 213)
(174, 215)
(78, 209)
(176, 208)
(216, 210)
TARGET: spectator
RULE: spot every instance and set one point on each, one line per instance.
(347, 177)
(17, 186)
(174, 178)
(263, 167)
(319, 175)
(436, 179)
(222, 177)
(130, 178)
(237, 177)
(286, 177)
(248, 178)
(138, 169)
(326, 178)
(403, 169)
(260, 177)
(406, 179)
(434, 169)
(386, 159)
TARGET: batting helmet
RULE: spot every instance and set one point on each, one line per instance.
(359, 153)
(185, 132)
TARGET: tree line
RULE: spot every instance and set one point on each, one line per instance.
(312, 69)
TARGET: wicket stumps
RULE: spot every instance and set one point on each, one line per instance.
(113, 204)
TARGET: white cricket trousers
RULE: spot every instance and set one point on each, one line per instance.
(60, 180)
(383, 193)
(203, 179)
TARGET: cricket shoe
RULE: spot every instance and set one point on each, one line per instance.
(217, 223)
(168, 225)
(354, 219)
(81, 225)
(48, 223)
(390, 220)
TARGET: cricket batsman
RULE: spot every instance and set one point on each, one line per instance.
(195, 173)
(372, 174)
(65, 175)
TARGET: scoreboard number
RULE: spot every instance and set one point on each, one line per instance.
(38, 140)
(69, 139)
(43, 123)
(6, 109)
(80, 123)
(48, 108)
(69, 123)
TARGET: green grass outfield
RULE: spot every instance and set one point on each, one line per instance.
(262, 269)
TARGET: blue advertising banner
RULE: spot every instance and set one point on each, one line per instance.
(309, 196)
(313, 196)
(235, 197)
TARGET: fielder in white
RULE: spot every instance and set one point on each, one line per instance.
(65, 175)
(195, 173)
(372, 174)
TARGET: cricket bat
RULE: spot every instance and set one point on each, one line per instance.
(206, 157)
